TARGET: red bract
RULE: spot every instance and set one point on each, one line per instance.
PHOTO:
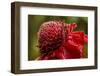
(74, 44)
(58, 41)
(56, 54)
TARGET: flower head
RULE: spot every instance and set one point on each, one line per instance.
(58, 41)
(50, 35)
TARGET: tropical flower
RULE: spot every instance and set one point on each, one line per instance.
(58, 41)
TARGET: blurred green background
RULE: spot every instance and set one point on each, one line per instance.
(35, 21)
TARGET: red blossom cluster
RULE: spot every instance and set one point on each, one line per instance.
(57, 40)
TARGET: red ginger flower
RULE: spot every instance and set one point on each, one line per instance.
(58, 41)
